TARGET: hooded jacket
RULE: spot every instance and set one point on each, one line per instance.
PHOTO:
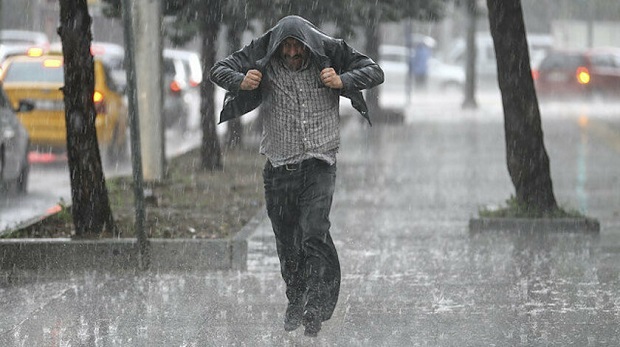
(356, 70)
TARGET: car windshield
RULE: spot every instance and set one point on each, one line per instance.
(35, 71)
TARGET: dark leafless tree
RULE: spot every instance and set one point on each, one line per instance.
(528, 163)
(90, 204)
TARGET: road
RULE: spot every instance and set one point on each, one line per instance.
(413, 274)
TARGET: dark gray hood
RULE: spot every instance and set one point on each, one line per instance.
(301, 30)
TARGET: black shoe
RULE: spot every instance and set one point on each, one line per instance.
(312, 322)
(293, 317)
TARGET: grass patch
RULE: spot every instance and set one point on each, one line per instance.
(514, 209)
(189, 203)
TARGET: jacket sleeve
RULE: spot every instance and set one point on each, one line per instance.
(229, 72)
(357, 70)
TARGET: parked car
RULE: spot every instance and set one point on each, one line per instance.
(394, 60)
(191, 64)
(14, 146)
(589, 73)
(39, 79)
(486, 63)
(193, 73)
(18, 42)
(8, 50)
(175, 78)
(176, 103)
(26, 37)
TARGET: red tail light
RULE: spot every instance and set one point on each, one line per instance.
(535, 74)
(194, 83)
(175, 87)
(99, 100)
(583, 75)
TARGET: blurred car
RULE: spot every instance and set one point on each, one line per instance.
(486, 63)
(191, 64)
(176, 110)
(193, 74)
(175, 79)
(25, 37)
(394, 60)
(8, 50)
(111, 54)
(15, 42)
(14, 146)
(589, 73)
(40, 79)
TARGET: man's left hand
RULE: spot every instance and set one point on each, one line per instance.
(330, 78)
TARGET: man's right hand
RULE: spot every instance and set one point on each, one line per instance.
(251, 80)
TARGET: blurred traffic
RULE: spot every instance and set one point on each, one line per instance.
(571, 56)
(33, 128)
(40, 79)
(580, 73)
(14, 145)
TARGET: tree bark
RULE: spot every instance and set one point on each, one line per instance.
(234, 134)
(90, 204)
(209, 27)
(528, 163)
(470, 62)
(373, 38)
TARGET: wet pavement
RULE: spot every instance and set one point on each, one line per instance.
(413, 274)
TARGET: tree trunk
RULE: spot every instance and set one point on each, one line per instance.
(234, 134)
(470, 61)
(373, 38)
(528, 163)
(209, 27)
(90, 204)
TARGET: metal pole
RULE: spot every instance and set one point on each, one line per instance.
(136, 157)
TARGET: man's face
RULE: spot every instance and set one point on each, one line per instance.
(293, 52)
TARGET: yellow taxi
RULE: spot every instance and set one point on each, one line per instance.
(39, 79)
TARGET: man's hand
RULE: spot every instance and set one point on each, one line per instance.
(251, 80)
(330, 78)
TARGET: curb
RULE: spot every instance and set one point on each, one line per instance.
(535, 225)
(66, 256)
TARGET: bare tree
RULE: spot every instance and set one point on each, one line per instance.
(90, 204)
(528, 163)
(234, 134)
(471, 8)
(210, 18)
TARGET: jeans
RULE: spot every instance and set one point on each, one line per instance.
(298, 200)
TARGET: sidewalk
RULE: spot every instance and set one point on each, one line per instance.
(413, 275)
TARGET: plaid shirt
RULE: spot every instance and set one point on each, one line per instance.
(302, 118)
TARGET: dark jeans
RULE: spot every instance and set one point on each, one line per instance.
(299, 199)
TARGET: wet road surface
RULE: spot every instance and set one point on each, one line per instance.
(413, 275)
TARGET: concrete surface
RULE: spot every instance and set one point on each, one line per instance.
(413, 273)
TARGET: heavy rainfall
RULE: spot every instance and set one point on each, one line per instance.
(480, 208)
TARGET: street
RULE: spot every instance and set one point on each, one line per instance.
(412, 273)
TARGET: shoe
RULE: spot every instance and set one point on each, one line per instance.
(312, 322)
(293, 317)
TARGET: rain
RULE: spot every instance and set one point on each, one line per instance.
(410, 188)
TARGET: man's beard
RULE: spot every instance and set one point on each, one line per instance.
(294, 62)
